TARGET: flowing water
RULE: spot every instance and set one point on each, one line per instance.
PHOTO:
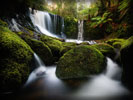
(44, 85)
(43, 22)
(80, 30)
(47, 23)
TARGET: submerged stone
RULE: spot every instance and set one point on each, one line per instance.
(80, 62)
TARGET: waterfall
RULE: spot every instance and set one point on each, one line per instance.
(47, 23)
(38, 61)
(80, 30)
(62, 29)
(42, 21)
(55, 20)
(113, 70)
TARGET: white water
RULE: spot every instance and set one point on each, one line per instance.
(105, 85)
(80, 30)
(80, 33)
(46, 25)
(79, 41)
(80, 37)
(62, 29)
(39, 71)
(43, 22)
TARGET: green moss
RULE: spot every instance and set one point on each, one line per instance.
(127, 43)
(117, 43)
(54, 44)
(71, 29)
(66, 46)
(80, 62)
(16, 57)
(41, 49)
(2, 23)
(26, 33)
(84, 43)
(105, 49)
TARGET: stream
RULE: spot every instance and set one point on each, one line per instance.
(43, 84)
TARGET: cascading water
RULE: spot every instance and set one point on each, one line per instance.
(47, 23)
(39, 71)
(100, 87)
(80, 30)
(43, 22)
(62, 29)
(104, 85)
(80, 37)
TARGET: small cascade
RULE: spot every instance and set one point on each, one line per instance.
(38, 61)
(113, 70)
(80, 37)
(55, 20)
(39, 71)
(105, 85)
(62, 29)
(80, 30)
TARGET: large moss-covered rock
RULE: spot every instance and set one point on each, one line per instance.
(54, 44)
(105, 49)
(41, 49)
(80, 62)
(66, 46)
(15, 60)
(127, 62)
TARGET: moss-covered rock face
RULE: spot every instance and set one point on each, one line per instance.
(127, 62)
(26, 33)
(41, 49)
(66, 46)
(80, 62)
(71, 27)
(15, 59)
(105, 49)
(116, 43)
(54, 44)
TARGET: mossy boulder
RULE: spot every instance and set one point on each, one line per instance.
(127, 62)
(105, 49)
(15, 60)
(66, 46)
(116, 43)
(41, 49)
(80, 62)
(54, 44)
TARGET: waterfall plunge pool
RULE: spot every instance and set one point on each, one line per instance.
(46, 86)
